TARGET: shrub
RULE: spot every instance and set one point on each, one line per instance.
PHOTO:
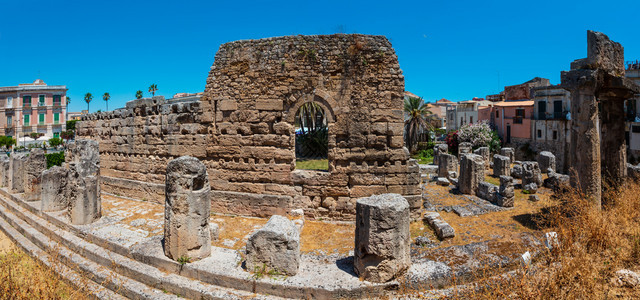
(71, 125)
(7, 141)
(479, 135)
(452, 141)
(67, 135)
(55, 142)
(54, 159)
(313, 144)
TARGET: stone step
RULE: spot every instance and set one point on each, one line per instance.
(70, 276)
(126, 287)
(95, 259)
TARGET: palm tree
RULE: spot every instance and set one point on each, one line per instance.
(139, 94)
(106, 98)
(87, 98)
(416, 118)
(153, 89)
(66, 116)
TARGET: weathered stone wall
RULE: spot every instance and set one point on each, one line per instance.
(243, 128)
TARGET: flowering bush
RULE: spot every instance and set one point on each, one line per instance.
(452, 141)
(479, 135)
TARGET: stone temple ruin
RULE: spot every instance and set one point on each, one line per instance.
(243, 129)
(149, 196)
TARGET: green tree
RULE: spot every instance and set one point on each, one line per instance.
(55, 142)
(153, 89)
(417, 119)
(66, 116)
(139, 94)
(87, 98)
(106, 98)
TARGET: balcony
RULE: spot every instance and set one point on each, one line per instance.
(517, 119)
(41, 104)
(57, 103)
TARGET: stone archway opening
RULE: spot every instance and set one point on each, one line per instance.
(311, 137)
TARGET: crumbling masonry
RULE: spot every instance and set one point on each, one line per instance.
(243, 129)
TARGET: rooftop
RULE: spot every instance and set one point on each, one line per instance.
(515, 103)
(38, 84)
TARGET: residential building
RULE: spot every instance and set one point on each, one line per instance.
(76, 115)
(463, 113)
(551, 126)
(32, 107)
(632, 107)
(512, 121)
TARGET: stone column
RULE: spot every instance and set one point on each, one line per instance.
(547, 161)
(614, 148)
(382, 237)
(464, 148)
(276, 246)
(54, 195)
(501, 165)
(510, 153)
(17, 172)
(485, 152)
(36, 163)
(187, 209)
(447, 163)
(471, 173)
(4, 171)
(585, 133)
(84, 180)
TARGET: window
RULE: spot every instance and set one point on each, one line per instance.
(56, 118)
(26, 120)
(9, 102)
(635, 129)
(470, 120)
(542, 110)
(539, 133)
(57, 99)
(9, 121)
(41, 119)
(40, 100)
(519, 116)
(461, 121)
(497, 114)
(26, 101)
(555, 134)
(56, 134)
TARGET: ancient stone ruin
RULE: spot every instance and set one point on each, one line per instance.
(382, 237)
(243, 129)
(54, 195)
(599, 78)
(16, 171)
(187, 210)
(275, 246)
(83, 184)
(471, 173)
(34, 166)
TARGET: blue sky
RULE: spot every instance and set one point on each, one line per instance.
(447, 49)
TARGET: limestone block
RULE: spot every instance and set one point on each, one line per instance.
(276, 246)
(84, 181)
(34, 166)
(18, 161)
(487, 191)
(439, 149)
(54, 195)
(510, 153)
(4, 170)
(501, 165)
(471, 173)
(506, 192)
(486, 155)
(447, 163)
(464, 148)
(274, 104)
(187, 209)
(546, 161)
(442, 181)
(382, 237)
(534, 198)
(516, 171)
(443, 229)
(556, 181)
(531, 173)
(530, 187)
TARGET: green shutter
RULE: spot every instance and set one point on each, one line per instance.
(41, 97)
(56, 134)
(41, 119)
(26, 101)
(56, 118)
(26, 120)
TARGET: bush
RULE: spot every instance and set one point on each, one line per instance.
(71, 125)
(55, 142)
(452, 142)
(6, 141)
(54, 159)
(67, 135)
(313, 144)
(479, 135)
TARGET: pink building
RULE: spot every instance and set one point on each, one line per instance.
(512, 120)
(33, 107)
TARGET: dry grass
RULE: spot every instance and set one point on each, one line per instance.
(22, 278)
(594, 244)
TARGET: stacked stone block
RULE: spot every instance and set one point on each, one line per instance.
(506, 192)
(243, 128)
(547, 161)
(4, 170)
(501, 165)
(510, 153)
(83, 183)
(464, 148)
(16, 180)
(437, 150)
(486, 155)
(447, 163)
(54, 194)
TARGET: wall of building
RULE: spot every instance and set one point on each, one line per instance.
(243, 128)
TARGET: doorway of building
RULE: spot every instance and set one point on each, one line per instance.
(508, 134)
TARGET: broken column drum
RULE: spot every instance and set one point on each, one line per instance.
(276, 246)
(508, 152)
(4, 170)
(83, 186)
(531, 173)
(187, 210)
(382, 241)
(501, 165)
(16, 180)
(547, 161)
(485, 152)
(437, 150)
(447, 163)
(471, 173)
(34, 166)
(464, 148)
(54, 194)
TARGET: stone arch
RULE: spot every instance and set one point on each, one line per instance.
(320, 97)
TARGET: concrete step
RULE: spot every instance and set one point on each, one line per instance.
(117, 272)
